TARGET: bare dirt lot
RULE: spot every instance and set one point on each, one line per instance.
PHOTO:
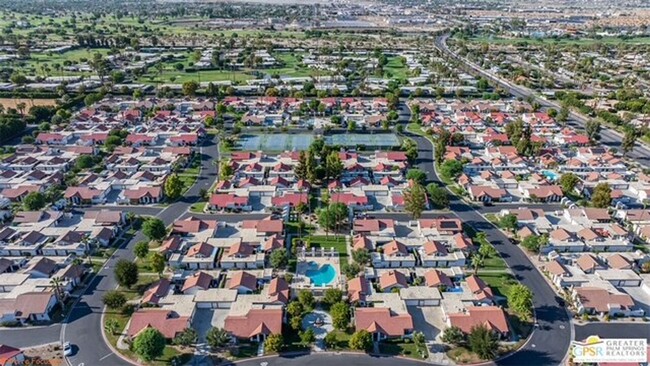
(12, 102)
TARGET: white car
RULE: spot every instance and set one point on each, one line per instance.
(67, 349)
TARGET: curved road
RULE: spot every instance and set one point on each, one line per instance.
(83, 328)
(548, 343)
(609, 137)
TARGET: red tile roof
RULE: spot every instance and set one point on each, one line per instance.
(494, 318)
(382, 320)
(255, 322)
(166, 322)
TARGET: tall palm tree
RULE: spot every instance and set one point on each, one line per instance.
(477, 261)
(57, 283)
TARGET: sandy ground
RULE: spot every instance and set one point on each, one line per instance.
(50, 354)
(12, 102)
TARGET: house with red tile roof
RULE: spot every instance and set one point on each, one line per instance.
(228, 201)
(358, 289)
(143, 195)
(392, 279)
(393, 254)
(11, 356)
(199, 256)
(242, 255)
(375, 227)
(482, 292)
(199, 281)
(167, 322)
(596, 300)
(491, 317)
(242, 281)
(156, 292)
(255, 325)
(382, 322)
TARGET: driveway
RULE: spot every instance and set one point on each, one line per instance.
(641, 298)
(428, 320)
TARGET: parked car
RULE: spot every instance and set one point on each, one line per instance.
(67, 349)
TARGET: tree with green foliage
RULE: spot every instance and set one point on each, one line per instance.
(301, 168)
(601, 196)
(157, 262)
(34, 201)
(295, 309)
(332, 296)
(307, 337)
(278, 259)
(486, 250)
(629, 139)
(509, 222)
(149, 344)
(190, 88)
(451, 169)
(520, 299)
(483, 342)
(186, 338)
(333, 166)
(173, 187)
(415, 200)
(111, 326)
(532, 243)
(361, 340)
(217, 338)
(84, 162)
(351, 270)
(114, 299)
(274, 343)
(592, 128)
(568, 182)
(361, 256)
(438, 196)
(154, 229)
(331, 340)
(126, 273)
(141, 249)
(477, 262)
(454, 336)
(340, 312)
(417, 175)
(306, 299)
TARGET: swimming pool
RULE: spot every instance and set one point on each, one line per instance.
(320, 276)
(550, 175)
(454, 290)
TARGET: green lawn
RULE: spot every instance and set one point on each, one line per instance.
(342, 339)
(398, 347)
(339, 244)
(499, 282)
(395, 69)
(198, 207)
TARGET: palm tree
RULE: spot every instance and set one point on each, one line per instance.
(217, 337)
(477, 261)
(56, 282)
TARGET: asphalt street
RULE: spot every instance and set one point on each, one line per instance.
(83, 328)
(613, 330)
(330, 359)
(609, 137)
(548, 343)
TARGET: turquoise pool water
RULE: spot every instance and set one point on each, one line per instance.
(321, 276)
(550, 175)
(454, 289)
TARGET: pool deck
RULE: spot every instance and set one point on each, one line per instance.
(301, 281)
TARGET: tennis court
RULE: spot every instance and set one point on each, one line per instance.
(275, 142)
(377, 141)
(301, 141)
